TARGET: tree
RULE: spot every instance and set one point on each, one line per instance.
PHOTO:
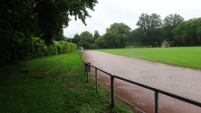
(76, 38)
(100, 43)
(42, 18)
(60, 36)
(116, 35)
(54, 15)
(17, 23)
(134, 37)
(86, 39)
(169, 23)
(149, 28)
(187, 33)
(96, 35)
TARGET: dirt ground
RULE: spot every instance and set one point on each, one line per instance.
(181, 81)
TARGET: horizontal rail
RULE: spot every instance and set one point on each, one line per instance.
(162, 92)
(190, 101)
(101, 70)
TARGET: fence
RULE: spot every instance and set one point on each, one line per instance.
(156, 91)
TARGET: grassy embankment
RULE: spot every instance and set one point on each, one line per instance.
(59, 87)
(182, 56)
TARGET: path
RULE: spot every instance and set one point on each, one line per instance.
(178, 80)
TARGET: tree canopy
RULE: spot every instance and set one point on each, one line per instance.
(188, 33)
(149, 28)
(169, 23)
(44, 18)
(54, 15)
(86, 38)
(116, 35)
(151, 31)
(20, 20)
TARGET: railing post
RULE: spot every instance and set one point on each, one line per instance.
(88, 70)
(84, 66)
(112, 91)
(87, 74)
(96, 75)
(156, 102)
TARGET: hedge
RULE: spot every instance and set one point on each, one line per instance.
(37, 48)
(21, 49)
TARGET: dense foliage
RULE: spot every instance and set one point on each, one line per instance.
(36, 48)
(86, 39)
(188, 33)
(151, 31)
(114, 37)
(169, 23)
(149, 26)
(21, 20)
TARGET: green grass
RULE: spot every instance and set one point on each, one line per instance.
(182, 56)
(63, 90)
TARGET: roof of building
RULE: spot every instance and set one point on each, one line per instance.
(165, 42)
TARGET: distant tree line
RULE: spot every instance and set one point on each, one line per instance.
(151, 30)
(45, 19)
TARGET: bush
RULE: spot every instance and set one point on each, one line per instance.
(73, 47)
(37, 48)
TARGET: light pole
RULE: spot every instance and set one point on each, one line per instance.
(156, 43)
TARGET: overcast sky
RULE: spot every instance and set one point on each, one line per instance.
(108, 12)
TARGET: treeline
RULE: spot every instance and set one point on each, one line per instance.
(151, 31)
(22, 20)
(188, 33)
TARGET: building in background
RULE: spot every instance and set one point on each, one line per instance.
(165, 44)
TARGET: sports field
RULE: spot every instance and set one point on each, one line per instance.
(182, 56)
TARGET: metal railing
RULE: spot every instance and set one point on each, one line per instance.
(156, 91)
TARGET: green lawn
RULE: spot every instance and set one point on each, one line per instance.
(59, 87)
(182, 56)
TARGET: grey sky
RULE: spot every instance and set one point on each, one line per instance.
(108, 12)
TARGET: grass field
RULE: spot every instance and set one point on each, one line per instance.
(59, 87)
(182, 56)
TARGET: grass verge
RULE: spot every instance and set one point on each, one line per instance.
(59, 87)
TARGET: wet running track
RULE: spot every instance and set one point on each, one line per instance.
(181, 81)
